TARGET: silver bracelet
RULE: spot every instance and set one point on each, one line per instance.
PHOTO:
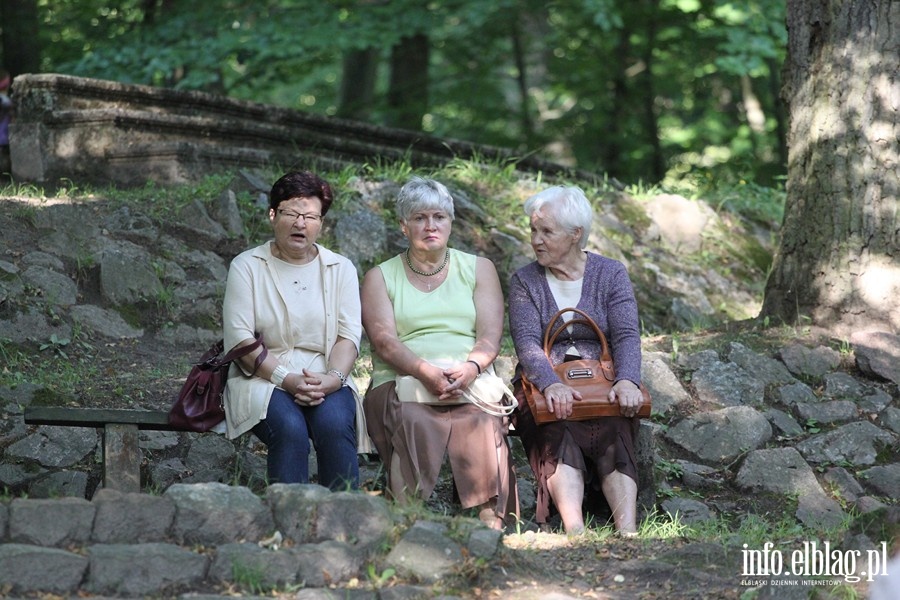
(279, 374)
(339, 375)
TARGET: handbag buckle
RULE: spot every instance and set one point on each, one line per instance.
(580, 374)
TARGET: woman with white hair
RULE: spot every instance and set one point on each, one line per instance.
(434, 317)
(568, 456)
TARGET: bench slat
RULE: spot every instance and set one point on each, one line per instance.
(97, 417)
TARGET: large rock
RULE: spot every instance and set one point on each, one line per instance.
(727, 384)
(425, 552)
(722, 435)
(294, 509)
(768, 370)
(665, 389)
(885, 479)
(129, 518)
(126, 273)
(353, 518)
(857, 443)
(679, 222)
(810, 362)
(57, 289)
(199, 508)
(272, 568)
(103, 322)
(778, 470)
(27, 569)
(783, 471)
(143, 569)
(50, 522)
(877, 353)
(54, 446)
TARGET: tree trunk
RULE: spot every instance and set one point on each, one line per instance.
(778, 111)
(522, 83)
(357, 92)
(408, 90)
(611, 142)
(21, 46)
(838, 262)
(651, 121)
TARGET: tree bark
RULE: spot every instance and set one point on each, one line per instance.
(611, 147)
(838, 262)
(21, 45)
(778, 110)
(408, 89)
(522, 83)
(357, 93)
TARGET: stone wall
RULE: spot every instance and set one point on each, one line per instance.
(106, 132)
(214, 536)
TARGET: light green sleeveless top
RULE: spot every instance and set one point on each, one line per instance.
(437, 325)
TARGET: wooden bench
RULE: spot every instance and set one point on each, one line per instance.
(121, 452)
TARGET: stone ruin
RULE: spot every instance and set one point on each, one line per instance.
(89, 130)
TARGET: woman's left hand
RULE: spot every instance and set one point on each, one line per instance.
(460, 376)
(312, 387)
(628, 396)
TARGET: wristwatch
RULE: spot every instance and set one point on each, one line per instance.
(339, 375)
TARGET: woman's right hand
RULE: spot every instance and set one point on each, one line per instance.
(305, 388)
(437, 383)
(559, 398)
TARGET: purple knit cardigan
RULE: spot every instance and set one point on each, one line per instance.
(606, 295)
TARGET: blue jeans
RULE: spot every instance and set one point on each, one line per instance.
(288, 428)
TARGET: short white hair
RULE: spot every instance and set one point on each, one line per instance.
(568, 206)
(423, 194)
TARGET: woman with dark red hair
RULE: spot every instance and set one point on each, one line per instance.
(304, 301)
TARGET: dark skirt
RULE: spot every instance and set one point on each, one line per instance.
(596, 447)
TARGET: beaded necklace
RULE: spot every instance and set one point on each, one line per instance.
(423, 273)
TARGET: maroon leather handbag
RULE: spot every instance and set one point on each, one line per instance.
(593, 378)
(199, 406)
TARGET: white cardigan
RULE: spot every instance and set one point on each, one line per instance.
(255, 302)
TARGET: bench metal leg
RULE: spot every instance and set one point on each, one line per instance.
(121, 458)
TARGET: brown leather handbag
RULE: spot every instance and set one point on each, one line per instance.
(593, 378)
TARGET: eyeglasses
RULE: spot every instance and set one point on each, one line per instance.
(293, 216)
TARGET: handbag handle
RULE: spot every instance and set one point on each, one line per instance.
(550, 338)
(244, 350)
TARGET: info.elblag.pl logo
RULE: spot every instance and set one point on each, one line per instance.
(815, 560)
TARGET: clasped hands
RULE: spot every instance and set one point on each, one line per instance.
(451, 382)
(560, 398)
(309, 388)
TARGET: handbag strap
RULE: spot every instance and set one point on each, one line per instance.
(244, 350)
(550, 334)
(496, 410)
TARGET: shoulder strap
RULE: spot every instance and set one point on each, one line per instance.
(244, 350)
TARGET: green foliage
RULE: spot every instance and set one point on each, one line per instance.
(669, 469)
(641, 91)
(759, 203)
(56, 344)
(16, 364)
(660, 526)
(751, 529)
(379, 579)
(250, 578)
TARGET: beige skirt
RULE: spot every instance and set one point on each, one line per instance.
(422, 434)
